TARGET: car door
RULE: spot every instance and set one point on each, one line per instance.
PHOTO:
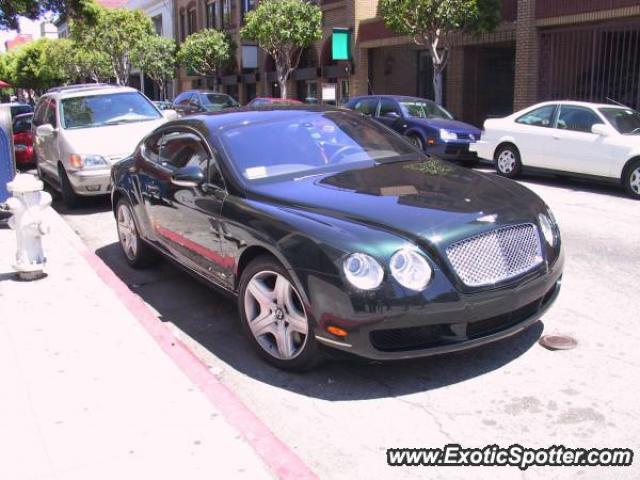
(46, 146)
(532, 133)
(575, 148)
(389, 113)
(186, 217)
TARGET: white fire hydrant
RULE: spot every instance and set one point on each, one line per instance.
(27, 206)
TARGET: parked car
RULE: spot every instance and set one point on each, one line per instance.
(267, 101)
(201, 101)
(426, 124)
(81, 131)
(589, 140)
(23, 140)
(18, 108)
(332, 230)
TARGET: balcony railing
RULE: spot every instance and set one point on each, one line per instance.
(556, 8)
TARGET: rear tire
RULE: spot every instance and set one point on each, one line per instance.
(508, 162)
(70, 198)
(631, 179)
(136, 251)
(274, 318)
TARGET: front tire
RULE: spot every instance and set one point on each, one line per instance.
(631, 180)
(417, 141)
(136, 251)
(70, 198)
(274, 318)
(508, 162)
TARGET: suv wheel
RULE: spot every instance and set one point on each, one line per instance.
(70, 198)
(631, 180)
(508, 163)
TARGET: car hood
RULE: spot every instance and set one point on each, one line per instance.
(109, 141)
(426, 201)
(451, 125)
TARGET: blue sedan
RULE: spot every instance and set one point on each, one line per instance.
(426, 124)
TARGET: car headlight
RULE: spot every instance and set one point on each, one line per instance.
(446, 135)
(363, 271)
(548, 227)
(410, 269)
(88, 161)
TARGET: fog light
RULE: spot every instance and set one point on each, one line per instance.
(93, 188)
(337, 331)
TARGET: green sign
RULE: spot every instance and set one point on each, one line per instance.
(340, 44)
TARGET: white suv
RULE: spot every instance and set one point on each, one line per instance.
(80, 131)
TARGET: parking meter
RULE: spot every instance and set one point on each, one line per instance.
(7, 161)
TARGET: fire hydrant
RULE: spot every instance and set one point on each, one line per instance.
(27, 206)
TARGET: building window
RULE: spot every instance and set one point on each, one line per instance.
(183, 28)
(247, 6)
(191, 21)
(157, 24)
(226, 13)
(211, 15)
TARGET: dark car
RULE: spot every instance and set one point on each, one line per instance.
(333, 231)
(272, 101)
(426, 124)
(23, 140)
(18, 108)
(202, 101)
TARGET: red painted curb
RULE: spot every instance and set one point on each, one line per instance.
(274, 453)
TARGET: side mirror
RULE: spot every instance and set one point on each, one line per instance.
(601, 129)
(190, 176)
(391, 115)
(170, 114)
(45, 130)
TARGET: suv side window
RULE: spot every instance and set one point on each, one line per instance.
(540, 117)
(183, 99)
(577, 119)
(366, 106)
(387, 105)
(50, 115)
(41, 109)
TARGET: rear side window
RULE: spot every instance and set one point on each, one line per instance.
(41, 109)
(540, 117)
(183, 99)
(366, 106)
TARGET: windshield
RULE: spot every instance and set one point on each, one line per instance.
(424, 109)
(306, 143)
(625, 120)
(218, 100)
(111, 109)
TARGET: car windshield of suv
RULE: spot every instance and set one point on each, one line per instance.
(217, 101)
(311, 143)
(110, 109)
(625, 120)
(424, 109)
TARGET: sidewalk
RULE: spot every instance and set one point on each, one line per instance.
(90, 392)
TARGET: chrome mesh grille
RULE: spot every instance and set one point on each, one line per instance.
(497, 255)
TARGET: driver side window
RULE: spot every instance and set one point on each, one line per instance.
(388, 106)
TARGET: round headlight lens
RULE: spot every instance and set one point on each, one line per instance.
(547, 229)
(363, 271)
(410, 269)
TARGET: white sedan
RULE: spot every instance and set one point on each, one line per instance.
(589, 140)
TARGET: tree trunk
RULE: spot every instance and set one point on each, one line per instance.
(437, 83)
(283, 87)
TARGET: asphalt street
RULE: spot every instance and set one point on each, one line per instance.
(341, 417)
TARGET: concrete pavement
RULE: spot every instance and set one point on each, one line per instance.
(93, 386)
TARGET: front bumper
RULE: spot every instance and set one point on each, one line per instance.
(483, 149)
(91, 182)
(452, 151)
(449, 322)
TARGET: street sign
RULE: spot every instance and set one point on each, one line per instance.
(7, 162)
(328, 92)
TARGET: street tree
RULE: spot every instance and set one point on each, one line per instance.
(283, 28)
(78, 63)
(35, 67)
(11, 11)
(432, 23)
(156, 58)
(206, 52)
(117, 33)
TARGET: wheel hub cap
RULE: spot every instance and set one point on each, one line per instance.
(634, 181)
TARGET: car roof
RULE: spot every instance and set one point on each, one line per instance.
(203, 91)
(393, 97)
(235, 117)
(85, 90)
(577, 103)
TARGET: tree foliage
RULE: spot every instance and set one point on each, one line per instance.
(206, 52)
(11, 10)
(156, 58)
(431, 24)
(117, 33)
(283, 28)
(34, 65)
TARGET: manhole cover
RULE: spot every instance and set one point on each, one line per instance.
(558, 342)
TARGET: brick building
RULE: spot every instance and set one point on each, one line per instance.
(544, 49)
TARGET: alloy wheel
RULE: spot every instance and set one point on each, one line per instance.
(634, 181)
(127, 232)
(506, 161)
(275, 315)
